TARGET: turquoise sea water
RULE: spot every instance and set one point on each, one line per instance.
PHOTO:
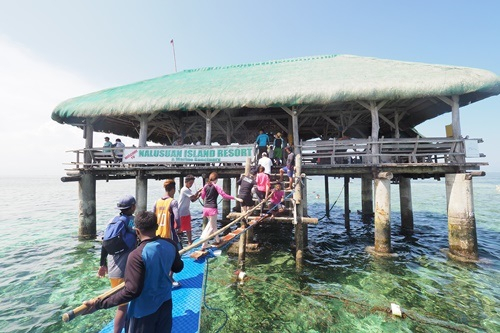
(45, 270)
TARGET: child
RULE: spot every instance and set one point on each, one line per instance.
(277, 199)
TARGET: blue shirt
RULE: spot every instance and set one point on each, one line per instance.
(262, 140)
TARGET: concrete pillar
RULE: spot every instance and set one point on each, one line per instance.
(347, 211)
(383, 212)
(141, 192)
(87, 207)
(141, 182)
(366, 198)
(406, 205)
(226, 204)
(462, 235)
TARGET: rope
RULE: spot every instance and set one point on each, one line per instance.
(209, 307)
(425, 320)
(342, 190)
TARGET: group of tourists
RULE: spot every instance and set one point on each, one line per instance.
(142, 251)
(272, 145)
(113, 149)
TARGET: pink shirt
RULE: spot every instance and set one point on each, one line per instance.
(277, 196)
(262, 181)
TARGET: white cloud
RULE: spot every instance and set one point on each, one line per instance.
(30, 88)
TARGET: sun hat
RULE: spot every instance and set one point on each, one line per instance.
(125, 202)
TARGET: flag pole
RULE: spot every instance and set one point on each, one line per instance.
(173, 49)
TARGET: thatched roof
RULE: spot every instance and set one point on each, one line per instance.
(323, 83)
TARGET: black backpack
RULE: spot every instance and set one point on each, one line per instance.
(117, 237)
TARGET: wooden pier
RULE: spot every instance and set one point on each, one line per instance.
(339, 124)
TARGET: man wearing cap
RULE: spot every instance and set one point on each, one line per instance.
(267, 163)
(114, 264)
(147, 286)
(186, 196)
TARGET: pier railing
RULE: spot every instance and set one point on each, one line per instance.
(391, 150)
(327, 152)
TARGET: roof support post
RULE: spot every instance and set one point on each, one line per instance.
(88, 134)
(141, 182)
(455, 117)
(143, 130)
(374, 108)
(396, 123)
(208, 118)
(294, 113)
(454, 102)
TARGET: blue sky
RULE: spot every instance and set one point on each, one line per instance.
(54, 50)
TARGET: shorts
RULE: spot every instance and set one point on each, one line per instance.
(288, 171)
(114, 282)
(276, 206)
(209, 212)
(261, 194)
(247, 201)
(186, 223)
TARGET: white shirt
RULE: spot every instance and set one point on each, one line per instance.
(267, 163)
(185, 201)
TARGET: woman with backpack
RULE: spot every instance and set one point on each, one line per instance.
(118, 241)
(210, 194)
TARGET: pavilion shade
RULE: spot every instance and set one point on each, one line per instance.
(321, 80)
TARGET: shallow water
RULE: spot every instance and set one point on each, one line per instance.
(46, 270)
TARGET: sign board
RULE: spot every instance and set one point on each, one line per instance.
(471, 148)
(188, 154)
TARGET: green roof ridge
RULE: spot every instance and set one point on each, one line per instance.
(262, 63)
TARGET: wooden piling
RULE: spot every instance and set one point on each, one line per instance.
(462, 235)
(226, 204)
(406, 205)
(366, 198)
(249, 235)
(347, 211)
(299, 230)
(327, 198)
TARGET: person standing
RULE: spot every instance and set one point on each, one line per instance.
(114, 263)
(263, 184)
(278, 149)
(267, 163)
(186, 196)
(108, 145)
(289, 168)
(262, 141)
(119, 150)
(147, 286)
(246, 184)
(167, 212)
(210, 194)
